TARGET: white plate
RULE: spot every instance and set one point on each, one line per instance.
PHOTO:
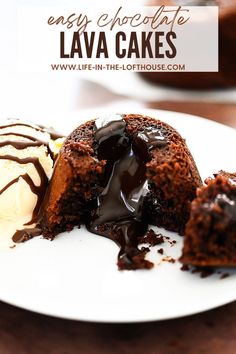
(76, 276)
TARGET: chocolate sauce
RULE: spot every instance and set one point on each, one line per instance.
(228, 204)
(16, 124)
(40, 128)
(152, 137)
(26, 234)
(120, 213)
(38, 190)
(20, 145)
(29, 137)
(37, 142)
(53, 133)
(15, 180)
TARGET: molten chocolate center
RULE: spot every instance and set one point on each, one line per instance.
(120, 213)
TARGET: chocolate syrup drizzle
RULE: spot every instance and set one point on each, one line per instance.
(35, 141)
(26, 233)
(120, 213)
(39, 191)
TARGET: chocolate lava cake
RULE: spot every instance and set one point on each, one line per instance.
(210, 235)
(226, 77)
(117, 174)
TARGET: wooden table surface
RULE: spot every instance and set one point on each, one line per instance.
(23, 332)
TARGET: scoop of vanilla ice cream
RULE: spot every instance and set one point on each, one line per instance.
(16, 197)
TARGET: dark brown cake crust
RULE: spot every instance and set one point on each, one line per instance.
(226, 77)
(210, 235)
(78, 176)
(74, 183)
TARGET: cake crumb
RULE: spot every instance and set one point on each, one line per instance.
(224, 275)
(152, 239)
(161, 251)
(203, 271)
(137, 258)
(185, 268)
(145, 249)
(172, 243)
(168, 259)
(13, 246)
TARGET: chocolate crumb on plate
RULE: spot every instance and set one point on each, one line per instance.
(203, 271)
(152, 238)
(172, 243)
(185, 268)
(145, 249)
(168, 259)
(134, 259)
(224, 275)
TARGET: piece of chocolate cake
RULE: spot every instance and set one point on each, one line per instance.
(210, 235)
(117, 175)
